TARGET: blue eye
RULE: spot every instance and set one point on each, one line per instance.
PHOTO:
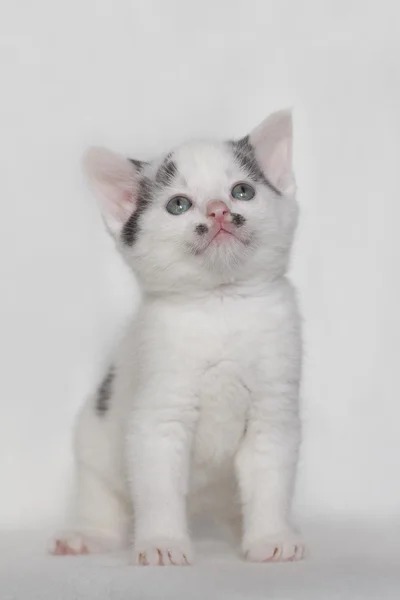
(178, 205)
(243, 191)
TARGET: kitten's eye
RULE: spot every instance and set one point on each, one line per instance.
(178, 205)
(243, 191)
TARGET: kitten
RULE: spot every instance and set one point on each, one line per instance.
(199, 411)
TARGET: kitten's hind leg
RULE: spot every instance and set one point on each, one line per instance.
(100, 521)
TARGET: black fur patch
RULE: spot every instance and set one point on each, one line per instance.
(104, 393)
(201, 229)
(139, 164)
(238, 220)
(245, 156)
(166, 172)
(131, 227)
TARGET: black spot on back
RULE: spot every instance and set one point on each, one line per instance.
(104, 393)
(238, 220)
(131, 227)
(245, 156)
(201, 229)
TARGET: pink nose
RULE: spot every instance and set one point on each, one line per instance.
(218, 210)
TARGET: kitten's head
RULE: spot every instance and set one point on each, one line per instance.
(208, 213)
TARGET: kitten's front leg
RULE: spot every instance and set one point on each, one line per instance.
(160, 439)
(266, 467)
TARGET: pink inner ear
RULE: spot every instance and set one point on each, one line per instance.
(127, 199)
(115, 181)
(279, 165)
(272, 141)
(118, 203)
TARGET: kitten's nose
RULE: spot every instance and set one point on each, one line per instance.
(218, 210)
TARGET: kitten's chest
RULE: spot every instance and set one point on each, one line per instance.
(211, 348)
(223, 398)
(227, 371)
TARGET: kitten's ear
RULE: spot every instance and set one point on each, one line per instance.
(272, 141)
(115, 182)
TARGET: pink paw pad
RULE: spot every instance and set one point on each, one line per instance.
(63, 548)
(270, 552)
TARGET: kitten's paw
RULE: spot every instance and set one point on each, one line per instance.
(74, 543)
(163, 552)
(276, 548)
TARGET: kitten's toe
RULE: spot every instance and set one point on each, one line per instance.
(166, 552)
(276, 548)
(74, 543)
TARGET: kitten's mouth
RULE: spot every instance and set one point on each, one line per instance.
(222, 232)
(220, 236)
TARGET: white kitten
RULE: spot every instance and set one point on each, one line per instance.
(199, 411)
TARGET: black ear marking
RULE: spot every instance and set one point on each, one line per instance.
(131, 227)
(201, 229)
(104, 393)
(244, 154)
(238, 220)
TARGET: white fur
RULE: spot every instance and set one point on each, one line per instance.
(204, 411)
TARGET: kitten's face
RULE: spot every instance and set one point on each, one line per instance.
(208, 213)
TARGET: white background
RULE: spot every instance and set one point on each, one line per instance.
(139, 77)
